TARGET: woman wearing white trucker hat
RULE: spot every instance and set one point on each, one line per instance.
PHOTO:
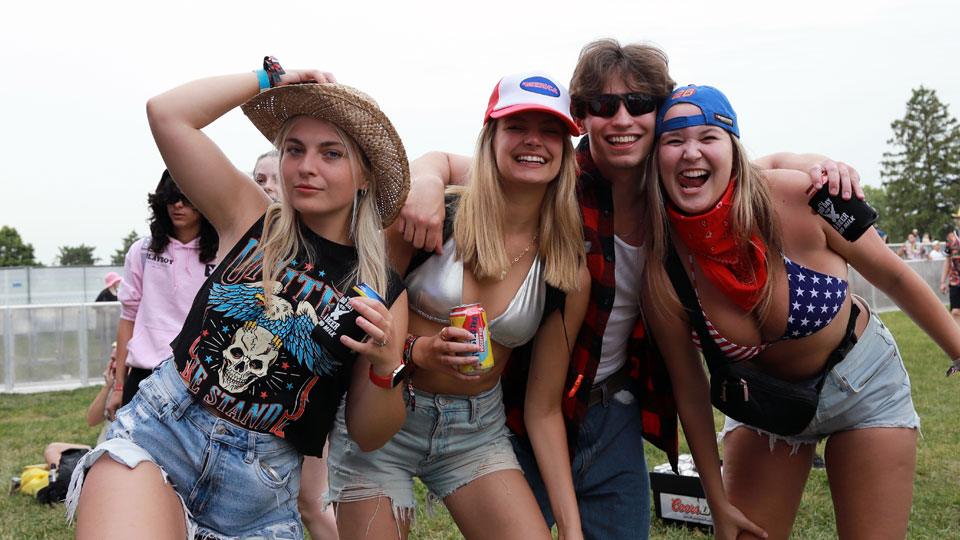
(512, 243)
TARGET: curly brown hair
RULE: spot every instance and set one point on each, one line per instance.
(161, 226)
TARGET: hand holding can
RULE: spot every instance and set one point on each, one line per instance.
(473, 318)
(341, 319)
(850, 218)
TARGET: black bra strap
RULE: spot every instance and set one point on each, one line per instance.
(684, 289)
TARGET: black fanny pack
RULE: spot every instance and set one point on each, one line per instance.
(745, 394)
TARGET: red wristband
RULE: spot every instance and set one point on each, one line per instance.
(118, 388)
(383, 382)
(392, 380)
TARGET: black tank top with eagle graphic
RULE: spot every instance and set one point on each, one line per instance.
(253, 360)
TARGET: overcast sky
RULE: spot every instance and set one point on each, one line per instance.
(78, 158)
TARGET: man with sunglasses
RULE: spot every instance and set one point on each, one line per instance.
(617, 391)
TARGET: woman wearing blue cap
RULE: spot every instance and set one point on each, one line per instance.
(767, 298)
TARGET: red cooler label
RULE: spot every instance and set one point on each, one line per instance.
(685, 508)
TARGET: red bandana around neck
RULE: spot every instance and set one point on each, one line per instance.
(739, 273)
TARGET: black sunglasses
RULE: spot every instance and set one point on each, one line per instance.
(172, 199)
(607, 105)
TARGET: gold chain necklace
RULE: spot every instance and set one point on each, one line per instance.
(631, 233)
(518, 257)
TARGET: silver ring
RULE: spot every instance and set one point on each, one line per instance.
(380, 343)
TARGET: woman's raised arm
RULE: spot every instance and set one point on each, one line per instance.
(222, 193)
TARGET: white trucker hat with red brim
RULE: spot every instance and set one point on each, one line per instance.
(531, 91)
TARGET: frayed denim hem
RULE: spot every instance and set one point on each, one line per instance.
(126, 453)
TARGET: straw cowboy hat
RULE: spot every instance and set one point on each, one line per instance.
(357, 114)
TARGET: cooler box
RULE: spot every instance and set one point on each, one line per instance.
(679, 499)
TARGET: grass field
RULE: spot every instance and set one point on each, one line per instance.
(29, 422)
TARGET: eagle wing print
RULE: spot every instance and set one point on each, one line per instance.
(237, 301)
(246, 302)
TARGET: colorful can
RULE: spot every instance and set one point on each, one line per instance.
(340, 318)
(473, 318)
(362, 289)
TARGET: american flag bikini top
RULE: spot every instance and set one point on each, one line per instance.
(815, 299)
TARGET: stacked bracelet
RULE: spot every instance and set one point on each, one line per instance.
(269, 76)
(408, 360)
(408, 350)
(273, 69)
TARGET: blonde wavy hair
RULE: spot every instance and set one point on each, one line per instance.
(752, 214)
(282, 240)
(478, 225)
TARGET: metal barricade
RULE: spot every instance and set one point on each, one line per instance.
(56, 346)
(53, 346)
(52, 284)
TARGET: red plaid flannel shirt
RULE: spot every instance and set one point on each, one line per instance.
(659, 410)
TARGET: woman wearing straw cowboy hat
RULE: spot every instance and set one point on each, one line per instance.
(212, 443)
(512, 243)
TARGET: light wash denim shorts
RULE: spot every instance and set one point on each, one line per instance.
(868, 388)
(232, 482)
(446, 441)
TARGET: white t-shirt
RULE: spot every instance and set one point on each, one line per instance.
(626, 308)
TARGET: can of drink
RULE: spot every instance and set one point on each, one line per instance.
(341, 319)
(850, 218)
(472, 318)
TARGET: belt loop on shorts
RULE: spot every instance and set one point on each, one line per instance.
(167, 375)
(251, 447)
(474, 409)
(180, 407)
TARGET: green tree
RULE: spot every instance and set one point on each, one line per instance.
(921, 174)
(81, 255)
(120, 255)
(877, 198)
(13, 252)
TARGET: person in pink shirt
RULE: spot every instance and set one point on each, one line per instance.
(162, 273)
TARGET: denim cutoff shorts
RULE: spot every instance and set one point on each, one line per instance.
(447, 441)
(869, 388)
(232, 482)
